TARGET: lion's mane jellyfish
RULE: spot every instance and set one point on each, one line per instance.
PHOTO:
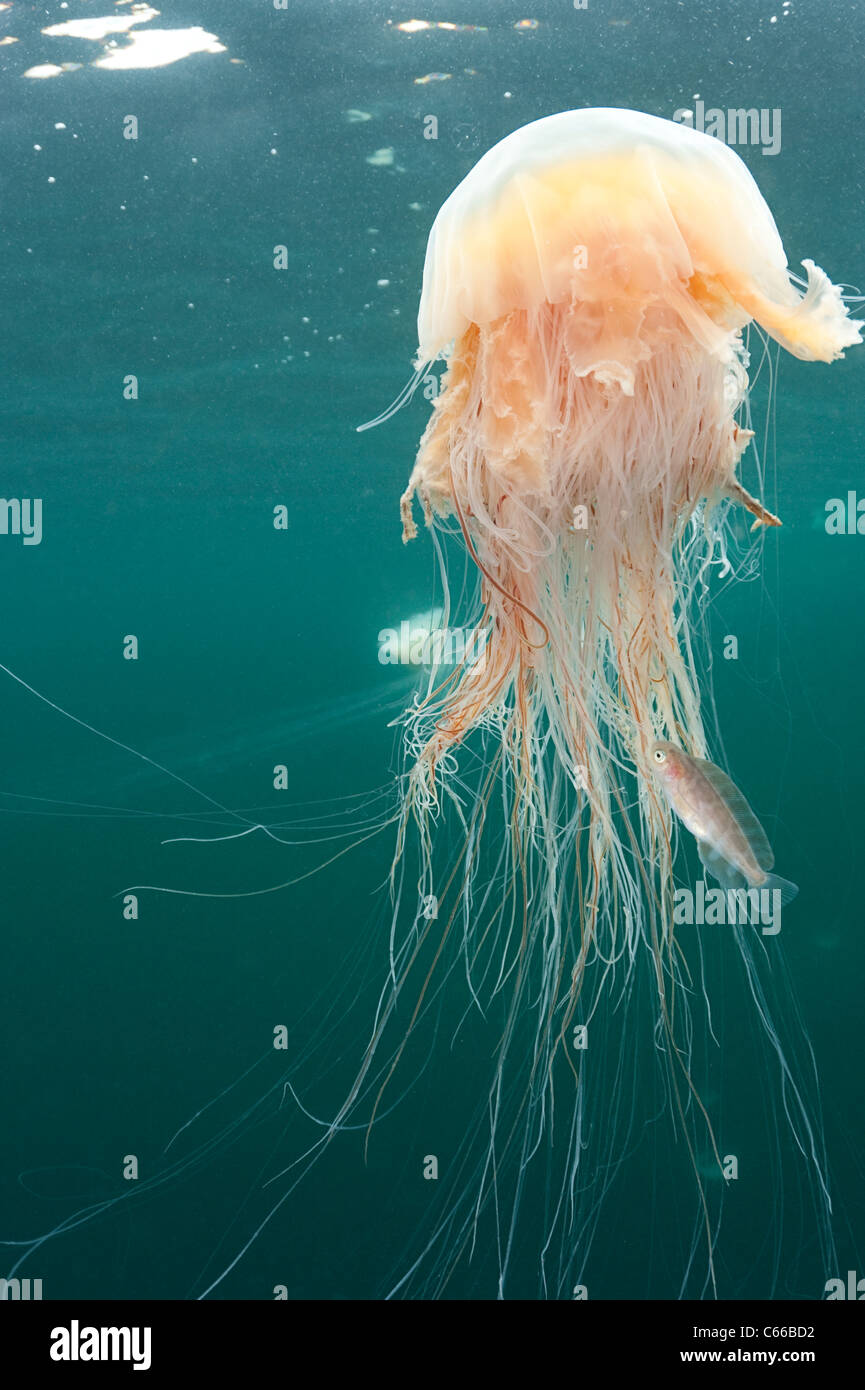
(587, 284)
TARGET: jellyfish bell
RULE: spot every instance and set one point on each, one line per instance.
(614, 207)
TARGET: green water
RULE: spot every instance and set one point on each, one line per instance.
(258, 647)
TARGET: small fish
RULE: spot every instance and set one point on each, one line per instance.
(731, 841)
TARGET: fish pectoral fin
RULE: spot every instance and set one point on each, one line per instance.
(720, 868)
(735, 491)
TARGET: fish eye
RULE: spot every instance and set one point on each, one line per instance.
(659, 755)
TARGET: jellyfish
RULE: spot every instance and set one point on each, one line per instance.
(587, 285)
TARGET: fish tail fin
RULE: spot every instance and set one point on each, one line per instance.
(787, 889)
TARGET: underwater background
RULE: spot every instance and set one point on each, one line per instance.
(258, 647)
